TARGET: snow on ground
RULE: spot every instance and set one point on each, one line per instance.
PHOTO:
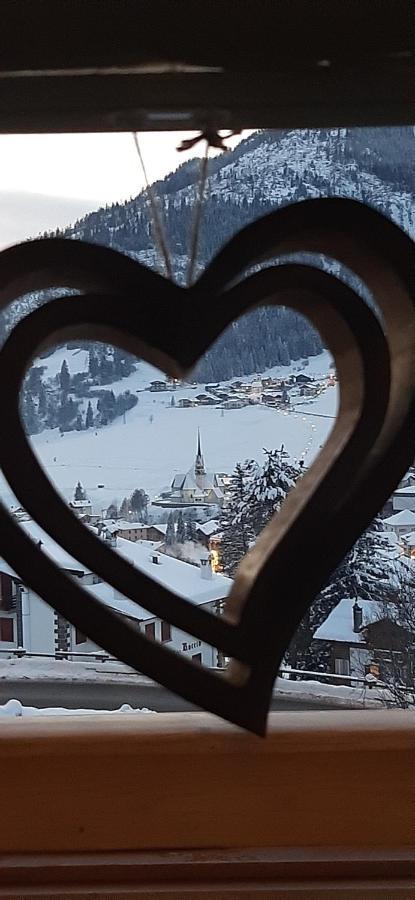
(330, 694)
(87, 671)
(158, 441)
(13, 708)
(114, 672)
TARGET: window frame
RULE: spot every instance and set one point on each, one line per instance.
(165, 625)
(9, 620)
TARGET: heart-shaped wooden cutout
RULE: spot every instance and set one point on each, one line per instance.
(373, 437)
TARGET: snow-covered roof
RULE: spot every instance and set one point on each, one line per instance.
(208, 528)
(48, 546)
(339, 623)
(79, 504)
(178, 576)
(404, 517)
(172, 573)
(405, 491)
(124, 525)
(409, 539)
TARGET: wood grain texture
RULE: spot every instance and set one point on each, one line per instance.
(190, 781)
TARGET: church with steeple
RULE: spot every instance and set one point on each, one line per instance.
(197, 487)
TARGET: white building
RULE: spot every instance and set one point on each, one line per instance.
(400, 523)
(404, 498)
(27, 621)
(408, 544)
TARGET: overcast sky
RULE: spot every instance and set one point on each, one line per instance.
(50, 180)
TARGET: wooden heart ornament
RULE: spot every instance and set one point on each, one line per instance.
(369, 449)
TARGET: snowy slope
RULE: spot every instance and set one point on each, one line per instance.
(144, 453)
(147, 454)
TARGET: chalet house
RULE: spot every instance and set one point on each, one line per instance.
(237, 403)
(400, 523)
(408, 544)
(206, 530)
(362, 635)
(302, 379)
(204, 400)
(158, 386)
(309, 390)
(81, 508)
(37, 628)
(408, 479)
(130, 531)
(404, 498)
(185, 403)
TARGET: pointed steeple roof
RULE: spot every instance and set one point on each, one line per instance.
(199, 461)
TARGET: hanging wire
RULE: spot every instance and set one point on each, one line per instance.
(159, 236)
(194, 241)
(213, 139)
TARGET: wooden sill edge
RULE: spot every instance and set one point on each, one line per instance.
(293, 732)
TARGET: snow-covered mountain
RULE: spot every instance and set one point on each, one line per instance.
(269, 169)
(264, 172)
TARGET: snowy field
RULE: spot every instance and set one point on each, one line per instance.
(158, 441)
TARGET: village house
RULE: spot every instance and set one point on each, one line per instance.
(400, 523)
(185, 403)
(362, 635)
(236, 403)
(81, 508)
(28, 622)
(310, 390)
(204, 400)
(302, 379)
(209, 534)
(130, 531)
(158, 386)
(404, 498)
(408, 544)
(206, 530)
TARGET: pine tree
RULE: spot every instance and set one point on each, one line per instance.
(64, 377)
(93, 364)
(89, 420)
(30, 415)
(112, 511)
(125, 510)
(269, 488)
(364, 574)
(171, 531)
(191, 530)
(181, 529)
(139, 501)
(79, 493)
(237, 533)
(42, 408)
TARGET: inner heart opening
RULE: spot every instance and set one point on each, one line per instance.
(179, 477)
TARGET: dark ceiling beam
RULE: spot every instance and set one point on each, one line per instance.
(75, 65)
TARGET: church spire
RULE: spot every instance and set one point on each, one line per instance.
(199, 462)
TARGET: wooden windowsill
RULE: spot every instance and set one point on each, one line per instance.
(189, 781)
